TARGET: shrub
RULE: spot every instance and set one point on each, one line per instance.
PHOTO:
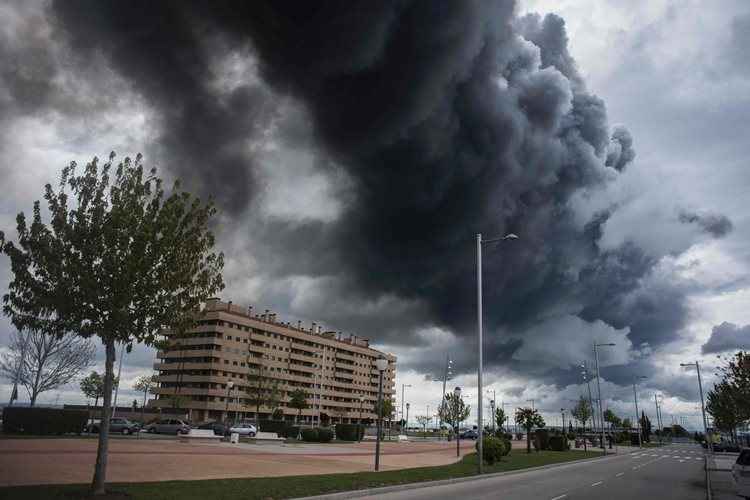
(325, 435)
(291, 431)
(519, 436)
(541, 439)
(278, 414)
(43, 421)
(276, 426)
(558, 443)
(310, 435)
(349, 432)
(493, 449)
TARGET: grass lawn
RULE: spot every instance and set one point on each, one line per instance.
(295, 486)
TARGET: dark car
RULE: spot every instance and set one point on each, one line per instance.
(218, 428)
(117, 425)
(470, 434)
(726, 447)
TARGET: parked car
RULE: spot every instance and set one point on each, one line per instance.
(727, 447)
(244, 429)
(218, 428)
(470, 434)
(169, 426)
(741, 474)
(116, 425)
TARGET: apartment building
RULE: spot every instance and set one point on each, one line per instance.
(218, 369)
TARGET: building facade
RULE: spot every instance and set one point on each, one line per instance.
(233, 364)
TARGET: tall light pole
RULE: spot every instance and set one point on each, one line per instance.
(403, 386)
(599, 390)
(510, 236)
(447, 375)
(709, 438)
(381, 364)
(585, 373)
(406, 423)
(658, 417)
(637, 416)
(454, 411)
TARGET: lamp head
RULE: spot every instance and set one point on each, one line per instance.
(381, 364)
(408, 406)
(510, 236)
(230, 384)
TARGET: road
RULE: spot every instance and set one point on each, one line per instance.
(673, 472)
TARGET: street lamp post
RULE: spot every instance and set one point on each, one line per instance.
(230, 384)
(361, 403)
(479, 340)
(406, 423)
(584, 373)
(457, 393)
(599, 390)
(403, 386)
(381, 364)
(637, 416)
(709, 438)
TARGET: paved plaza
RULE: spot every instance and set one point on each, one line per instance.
(60, 461)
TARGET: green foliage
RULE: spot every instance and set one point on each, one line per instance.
(582, 411)
(325, 420)
(453, 410)
(541, 439)
(350, 432)
(723, 404)
(123, 262)
(92, 386)
(558, 443)
(43, 421)
(609, 416)
(387, 409)
(493, 449)
(500, 418)
(325, 435)
(528, 418)
(317, 435)
(298, 400)
(278, 414)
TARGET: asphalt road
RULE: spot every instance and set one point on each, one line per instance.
(673, 472)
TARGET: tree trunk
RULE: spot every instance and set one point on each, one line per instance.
(143, 409)
(100, 470)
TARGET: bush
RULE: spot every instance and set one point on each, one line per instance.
(276, 426)
(541, 439)
(519, 436)
(493, 449)
(310, 435)
(349, 432)
(558, 443)
(43, 421)
(325, 435)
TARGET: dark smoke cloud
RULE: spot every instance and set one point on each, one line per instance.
(449, 119)
(727, 337)
(717, 225)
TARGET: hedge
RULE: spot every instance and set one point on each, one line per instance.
(558, 443)
(541, 439)
(281, 428)
(349, 432)
(43, 421)
(317, 435)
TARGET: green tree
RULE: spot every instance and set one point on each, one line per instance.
(528, 418)
(423, 420)
(120, 260)
(627, 423)
(92, 386)
(262, 390)
(614, 420)
(298, 401)
(145, 384)
(582, 411)
(500, 418)
(736, 374)
(723, 404)
(453, 411)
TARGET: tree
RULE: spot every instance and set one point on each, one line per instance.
(528, 418)
(645, 428)
(453, 411)
(500, 418)
(298, 401)
(736, 374)
(120, 260)
(278, 414)
(582, 411)
(614, 420)
(724, 406)
(262, 390)
(92, 386)
(423, 420)
(145, 384)
(43, 362)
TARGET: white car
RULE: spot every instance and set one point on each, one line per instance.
(741, 474)
(244, 429)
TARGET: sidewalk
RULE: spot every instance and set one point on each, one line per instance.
(720, 476)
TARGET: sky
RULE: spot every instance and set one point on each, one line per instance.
(354, 151)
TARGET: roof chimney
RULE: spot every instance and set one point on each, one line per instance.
(320, 329)
(250, 311)
(229, 305)
(313, 327)
(299, 325)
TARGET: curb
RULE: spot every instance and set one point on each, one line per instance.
(709, 494)
(424, 484)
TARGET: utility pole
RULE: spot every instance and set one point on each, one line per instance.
(585, 374)
(447, 375)
(402, 399)
(599, 390)
(658, 419)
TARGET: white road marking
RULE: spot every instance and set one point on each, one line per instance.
(681, 461)
(617, 475)
(597, 483)
(558, 498)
